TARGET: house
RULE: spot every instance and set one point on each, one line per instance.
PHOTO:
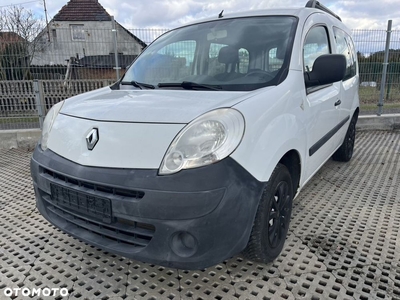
(82, 36)
(9, 37)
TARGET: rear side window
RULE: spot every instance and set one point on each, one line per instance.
(345, 46)
(275, 61)
(315, 45)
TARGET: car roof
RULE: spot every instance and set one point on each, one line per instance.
(300, 12)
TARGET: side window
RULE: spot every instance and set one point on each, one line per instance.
(243, 60)
(216, 67)
(274, 62)
(316, 44)
(344, 45)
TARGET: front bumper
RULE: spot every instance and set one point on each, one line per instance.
(189, 220)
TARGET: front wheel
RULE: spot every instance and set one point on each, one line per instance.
(272, 219)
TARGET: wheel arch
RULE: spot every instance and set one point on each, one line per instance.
(356, 112)
(292, 161)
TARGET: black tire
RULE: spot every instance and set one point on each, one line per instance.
(272, 219)
(346, 150)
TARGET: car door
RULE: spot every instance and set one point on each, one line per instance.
(322, 102)
(344, 45)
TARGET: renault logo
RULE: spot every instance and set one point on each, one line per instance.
(92, 138)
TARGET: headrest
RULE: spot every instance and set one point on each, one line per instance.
(228, 55)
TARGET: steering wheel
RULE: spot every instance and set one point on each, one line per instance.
(260, 73)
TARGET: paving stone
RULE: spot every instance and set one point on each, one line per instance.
(334, 252)
(368, 282)
(241, 269)
(343, 242)
(321, 285)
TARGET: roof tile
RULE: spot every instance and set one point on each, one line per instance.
(82, 10)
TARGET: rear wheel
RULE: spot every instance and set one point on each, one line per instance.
(345, 152)
(272, 219)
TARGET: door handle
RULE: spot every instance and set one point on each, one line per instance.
(338, 102)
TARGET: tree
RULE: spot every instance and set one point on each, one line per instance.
(19, 45)
(14, 62)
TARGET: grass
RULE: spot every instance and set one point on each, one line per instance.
(369, 98)
(373, 108)
(8, 120)
(370, 95)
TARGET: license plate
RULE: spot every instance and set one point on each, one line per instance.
(97, 208)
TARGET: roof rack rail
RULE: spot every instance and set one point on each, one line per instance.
(316, 4)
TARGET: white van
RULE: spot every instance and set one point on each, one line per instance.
(197, 152)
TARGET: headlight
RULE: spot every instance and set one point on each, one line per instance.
(207, 139)
(48, 123)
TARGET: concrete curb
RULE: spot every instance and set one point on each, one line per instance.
(383, 122)
(27, 138)
(19, 138)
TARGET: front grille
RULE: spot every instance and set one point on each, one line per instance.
(87, 208)
(114, 191)
(131, 234)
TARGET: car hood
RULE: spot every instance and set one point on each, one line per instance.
(148, 106)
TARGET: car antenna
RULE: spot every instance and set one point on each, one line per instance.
(220, 14)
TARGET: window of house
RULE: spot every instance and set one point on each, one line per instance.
(77, 32)
(54, 38)
(315, 45)
(345, 46)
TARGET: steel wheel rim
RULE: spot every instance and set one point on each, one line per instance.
(279, 214)
(351, 139)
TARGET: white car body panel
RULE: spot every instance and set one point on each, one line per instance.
(270, 134)
(308, 118)
(148, 106)
(120, 145)
(126, 119)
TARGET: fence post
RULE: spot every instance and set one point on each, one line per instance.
(39, 100)
(114, 30)
(385, 65)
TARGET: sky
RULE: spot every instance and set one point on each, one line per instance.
(134, 14)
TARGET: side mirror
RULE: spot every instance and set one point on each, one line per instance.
(327, 68)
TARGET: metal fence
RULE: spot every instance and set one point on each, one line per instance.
(95, 53)
(24, 103)
(32, 79)
(371, 46)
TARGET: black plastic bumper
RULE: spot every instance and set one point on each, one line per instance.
(189, 220)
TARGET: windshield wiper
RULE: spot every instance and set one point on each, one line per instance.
(189, 85)
(139, 85)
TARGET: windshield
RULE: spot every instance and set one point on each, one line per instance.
(228, 54)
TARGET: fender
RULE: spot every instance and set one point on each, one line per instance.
(280, 136)
(271, 134)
